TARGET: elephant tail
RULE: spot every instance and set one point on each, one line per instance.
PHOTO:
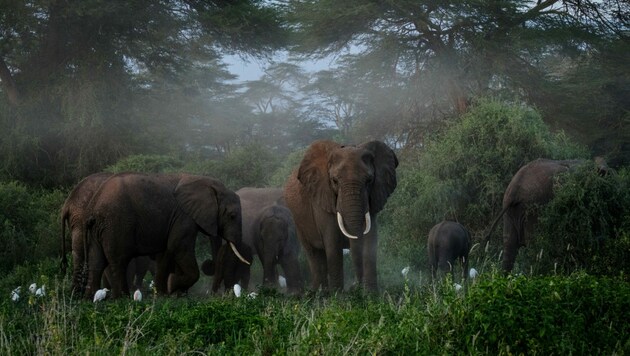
(494, 224)
(64, 220)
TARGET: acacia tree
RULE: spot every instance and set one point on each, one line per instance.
(444, 53)
(76, 76)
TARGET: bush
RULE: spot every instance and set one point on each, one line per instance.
(586, 225)
(462, 172)
(145, 164)
(581, 315)
(249, 166)
(29, 224)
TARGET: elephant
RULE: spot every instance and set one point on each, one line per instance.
(531, 185)
(135, 214)
(228, 269)
(334, 196)
(275, 242)
(269, 230)
(74, 214)
(448, 241)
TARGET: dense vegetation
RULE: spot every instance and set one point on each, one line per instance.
(465, 92)
(579, 314)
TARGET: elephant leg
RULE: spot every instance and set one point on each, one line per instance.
(97, 264)
(510, 247)
(291, 268)
(270, 278)
(356, 251)
(118, 280)
(107, 277)
(334, 263)
(163, 268)
(370, 282)
(317, 264)
(187, 271)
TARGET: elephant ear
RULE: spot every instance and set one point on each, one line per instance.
(385, 163)
(313, 174)
(197, 197)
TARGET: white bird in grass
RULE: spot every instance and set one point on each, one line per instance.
(32, 288)
(41, 291)
(405, 271)
(282, 281)
(473, 273)
(100, 294)
(237, 290)
(15, 294)
(137, 295)
(458, 286)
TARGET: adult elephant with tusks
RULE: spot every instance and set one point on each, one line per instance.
(334, 196)
(136, 214)
(531, 185)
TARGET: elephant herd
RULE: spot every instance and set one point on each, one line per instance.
(123, 225)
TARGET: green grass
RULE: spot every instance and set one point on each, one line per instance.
(577, 314)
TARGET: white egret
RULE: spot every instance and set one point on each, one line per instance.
(458, 286)
(32, 288)
(100, 294)
(41, 291)
(237, 290)
(282, 281)
(15, 294)
(137, 295)
(405, 271)
(473, 273)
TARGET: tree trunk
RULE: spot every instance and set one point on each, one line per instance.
(8, 84)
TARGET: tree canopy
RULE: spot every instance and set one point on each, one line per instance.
(86, 83)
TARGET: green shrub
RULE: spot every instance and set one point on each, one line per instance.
(145, 164)
(586, 225)
(580, 315)
(29, 224)
(249, 166)
(280, 176)
(462, 172)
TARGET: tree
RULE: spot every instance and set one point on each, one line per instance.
(445, 53)
(76, 75)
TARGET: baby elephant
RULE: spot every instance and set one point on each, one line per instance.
(448, 241)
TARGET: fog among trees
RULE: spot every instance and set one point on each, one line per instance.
(85, 84)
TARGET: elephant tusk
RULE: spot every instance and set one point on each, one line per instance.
(368, 223)
(343, 229)
(238, 254)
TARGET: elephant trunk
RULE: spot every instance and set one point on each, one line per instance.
(353, 215)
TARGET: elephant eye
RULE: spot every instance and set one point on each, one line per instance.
(370, 179)
(334, 181)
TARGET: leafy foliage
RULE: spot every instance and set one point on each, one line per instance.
(462, 173)
(578, 314)
(585, 225)
(145, 164)
(30, 227)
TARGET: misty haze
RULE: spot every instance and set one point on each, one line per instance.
(280, 177)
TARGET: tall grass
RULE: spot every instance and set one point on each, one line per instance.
(493, 314)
